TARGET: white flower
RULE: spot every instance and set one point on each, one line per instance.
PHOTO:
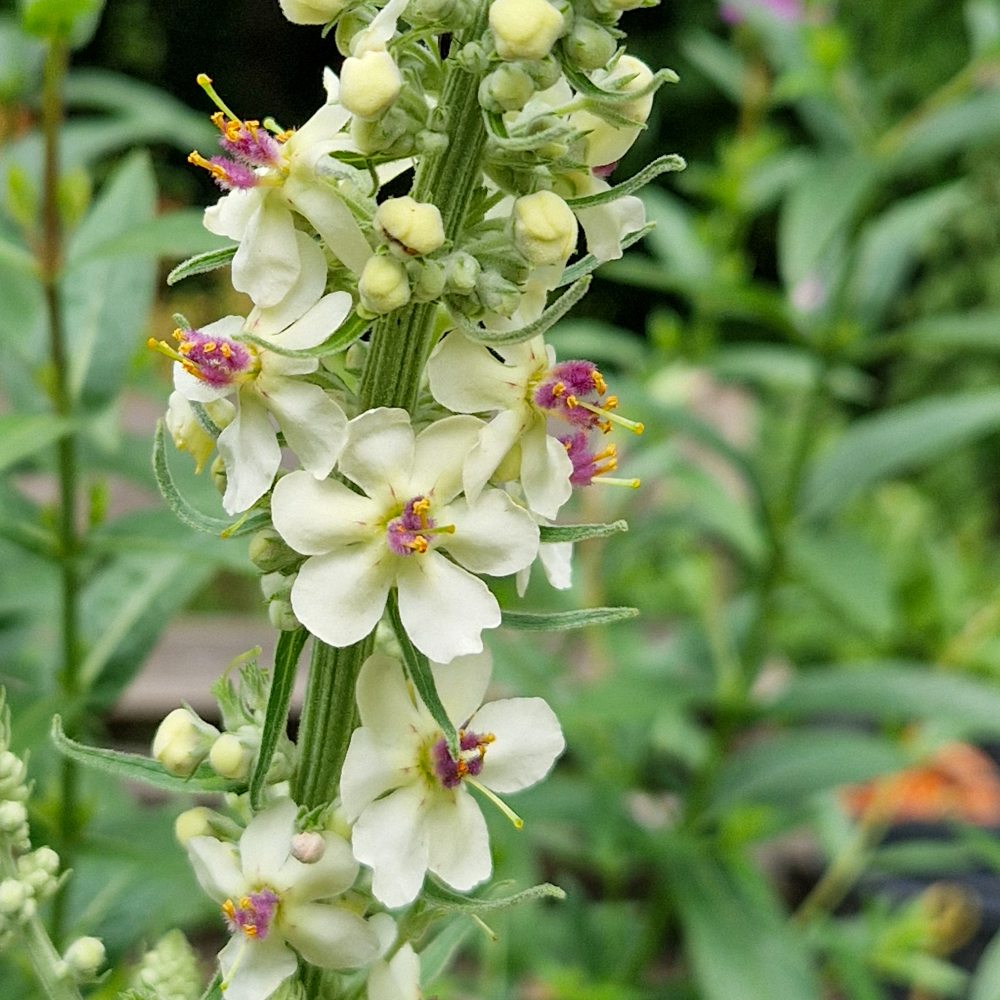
(213, 364)
(311, 11)
(268, 178)
(398, 977)
(363, 544)
(605, 226)
(273, 903)
(410, 801)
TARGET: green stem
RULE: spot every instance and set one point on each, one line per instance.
(38, 946)
(50, 254)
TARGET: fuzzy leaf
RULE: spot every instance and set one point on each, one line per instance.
(201, 263)
(585, 265)
(661, 165)
(561, 621)
(579, 532)
(444, 899)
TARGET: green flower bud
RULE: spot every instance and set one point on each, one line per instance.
(276, 584)
(545, 228)
(218, 474)
(545, 72)
(268, 551)
(525, 29)
(461, 272)
(508, 88)
(589, 45)
(14, 820)
(170, 969)
(84, 957)
(13, 895)
(411, 228)
(430, 280)
(369, 83)
(13, 776)
(497, 294)
(383, 285)
(281, 616)
(40, 870)
(182, 742)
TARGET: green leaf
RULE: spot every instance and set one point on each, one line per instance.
(552, 314)
(661, 165)
(890, 246)
(443, 899)
(23, 434)
(676, 240)
(346, 334)
(589, 263)
(894, 443)
(71, 20)
(561, 621)
(975, 330)
(893, 692)
(201, 263)
(419, 669)
(107, 300)
(820, 210)
(134, 767)
(279, 697)
(579, 532)
(790, 766)
(738, 940)
(175, 235)
(436, 956)
(845, 570)
(720, 62)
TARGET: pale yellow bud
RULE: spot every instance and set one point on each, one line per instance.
(525, 29)
(85, 956)
(414, 227)
(545, 228)
(606, 143)
(308, 847)
(383, 285)
(230, 757)
(311, 11)
(13, 895)
(188, 433)
(369, 83)
(196, 822)
(182, 741)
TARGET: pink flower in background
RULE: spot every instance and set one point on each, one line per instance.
(737, 12)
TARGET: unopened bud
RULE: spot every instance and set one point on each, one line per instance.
(383, 285)
(508, 88)
(411, 227)
(13, 776)
(186, 430)
(308, 847)
(276, 584)
(220, 479)
(39, 870)
(311, 11)
(590, 45)
(461, 272)
(196, 822)
(84, 957)
(13, 817)
(369, 83)
(545, 72)
(281, 615)
(524, 29)
(182, 741)
(268, 551)
(545, 228)
(430, 279)
(13, 895)
(497, 294)
(230, 757)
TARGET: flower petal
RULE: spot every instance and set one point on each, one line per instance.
(231, 214)
(254, 969)
(331, 218)
(378, 456)
(443, 608)
(459, 842)
(371, 769)
(385, 704)
(528, 741)
(267, 261)
(197, 390)
(317, 516)
(306, 291)
(462, 683)
(328, 936)
(331, 875)
(397, 979)
(315, 427)
(216, 868)
(492, 535)
(389, 838)
(267, 840)
(318, 323)
(340, 596)
(438, 455)
(495, 440)
(467, 378)
(545, 471)
(250, 452)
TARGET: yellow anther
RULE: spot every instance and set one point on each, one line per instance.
(214, 169)
(419, 544)
(599, 384)
(572, 402)
(421, 506)
(228, 909)
(226, 351)
(611, 403)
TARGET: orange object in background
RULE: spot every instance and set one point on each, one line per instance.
(959, 782)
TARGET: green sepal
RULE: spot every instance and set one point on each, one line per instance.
(552, 314)
(279, 697)
(582, 84)
(585, 265)
(189, 514)
(444, 899)
(135, 767)
(551, 533)
(661, 165)
(201, 263)
(207, 424)
(419, 669)
(347, 333)
(562, 621)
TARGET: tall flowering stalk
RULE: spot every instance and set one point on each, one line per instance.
(392, 425)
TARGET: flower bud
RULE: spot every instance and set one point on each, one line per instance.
(269, 551)
(311, 11)
(508, 88)
(497, 294)
(383, 285)
(276, 584)
(524, 29)
(13, 819)
(84, 957)
(605, 143)
(369, 83)
(194, 822)
(13, 776)
(182, 741)
(217, 471)
(187, 431)
(13, 895)
(545, 228)
(39, 870)
(281, 615)
(545, 72)
(308, 847)
(170, 969)
(230, 757)
(411, 227)
(590, 45)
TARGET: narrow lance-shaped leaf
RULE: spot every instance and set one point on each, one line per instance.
(135, 767)
(579, 532)
(201, 263)
(286, 658)
(661, 165)
(589, 263)
(440, 897)
(346, 334)
(562, 621)
(419, 669)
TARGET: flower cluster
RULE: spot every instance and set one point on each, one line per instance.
(387, 478)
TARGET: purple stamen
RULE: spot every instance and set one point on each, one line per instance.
(251, 914)
(568, 385)
(470, 761)
(218, 361)
(587, 464)
(408, 533)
